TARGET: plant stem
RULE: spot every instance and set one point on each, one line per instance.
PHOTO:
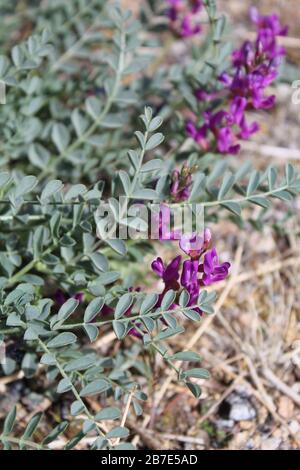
(20, 441)
(73, 388)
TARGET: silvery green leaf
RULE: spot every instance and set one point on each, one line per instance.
(25, 185)
(93, 309)
(64, 385)
(125, 181)
(59, 429)
(38, 155)
(118, 431)
(75, 191)
(147, 194)
(149, 323)
(30, 334)
(197, 373)
(154, 141)
(168, 299)
(120, 329)
(88, 426)
(192, 314)
(186, 356)
(169, 332)
(155, 123)
(133, 156)
(14, 319)
(118, 246)
(5, 178)
(123, 305)
(113, 121)
(110, 412)
(125, 446)
(9, 421)
(272, 175)
(194, 388)
(50, 189)
(99, 260)
(63, 339)
(81, 363)
(92, 332)
(4, 65)
(170, 320)
(253, 182)
(148, 303)
(95, 387)
(226, 185)
(67, 309)
(184, 298)
(260, 201)
(282, 195)
(207, 308)
(18, 56)
(79, 122)
(32, 426)
(60, 136)
(93, 106)
(77, 408)
(152, 165)
(48, 359)
(289, 173)
(233, 207)
(141, 138)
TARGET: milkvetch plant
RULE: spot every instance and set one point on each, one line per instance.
(93, 116)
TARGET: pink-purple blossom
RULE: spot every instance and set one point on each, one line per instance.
(196, 244)
(183, 16)
(193, 274)
(213, 271)
(255, 67)
(169, 273)
(181, 184)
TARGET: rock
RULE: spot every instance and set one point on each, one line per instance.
(238, 407)
(242, 411)
(294, 426)
(224, 423)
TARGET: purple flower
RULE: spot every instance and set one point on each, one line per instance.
(187, 27)
(268, 28)
(212, 270)
(195, 245)
(255, 67)
(198, 134)
(163, 219)
(182, 17)
(181, 184)
(169, 273)
(190, 281)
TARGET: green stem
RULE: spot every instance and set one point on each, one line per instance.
(73, 388)
(133, 318)
(20, 441)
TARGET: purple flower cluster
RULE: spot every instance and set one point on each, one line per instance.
(183, 17)
(193, 274)
(181, 184)
(255, 67)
